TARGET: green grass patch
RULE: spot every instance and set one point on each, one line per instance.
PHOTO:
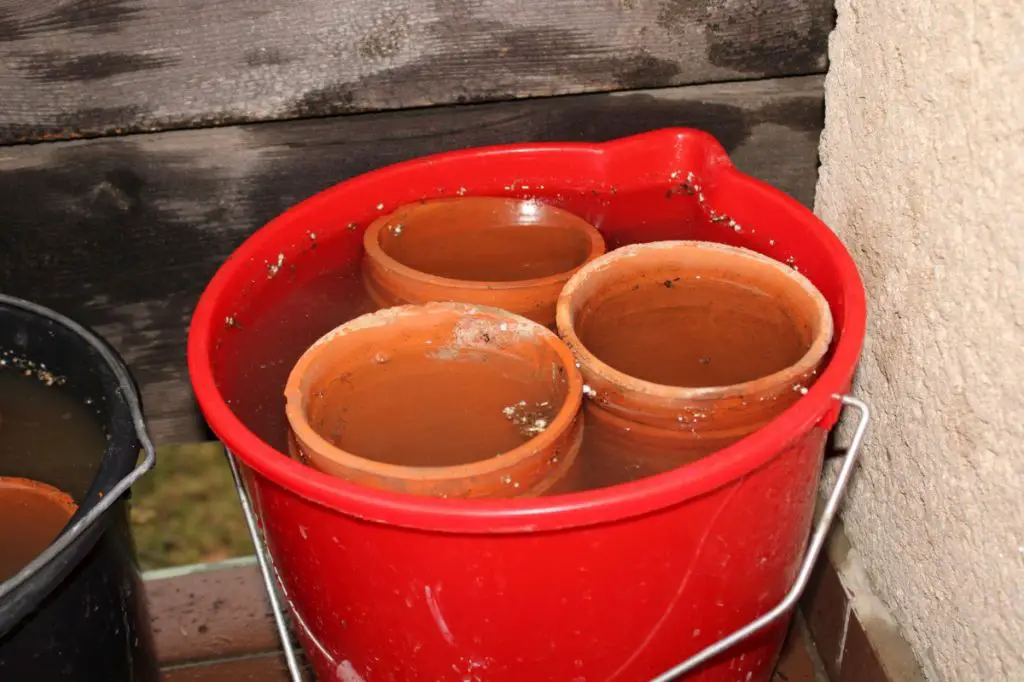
(186, 510)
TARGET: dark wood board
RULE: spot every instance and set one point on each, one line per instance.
(211, 614)
(73, 68)
(124, 232)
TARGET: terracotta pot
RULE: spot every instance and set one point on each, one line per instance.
(32, 515)
(687, 347)
(512, 254)
(443, 399)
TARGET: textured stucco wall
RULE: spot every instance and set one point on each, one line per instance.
(923, 177)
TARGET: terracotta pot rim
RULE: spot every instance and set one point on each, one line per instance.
(43, 490)
(371, 244)
(307, 435)
(566, 325)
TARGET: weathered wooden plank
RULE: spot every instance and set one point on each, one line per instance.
(71, 68)
(123, 233)
(211, 615)
(213, 623)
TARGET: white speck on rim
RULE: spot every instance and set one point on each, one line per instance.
(380, 207)
(274, 268)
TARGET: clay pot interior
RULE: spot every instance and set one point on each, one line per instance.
(487, 239)
(515, 254)
(32, 515)
(698, 337)
(414, 398)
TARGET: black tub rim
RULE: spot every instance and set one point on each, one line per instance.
(118, 471)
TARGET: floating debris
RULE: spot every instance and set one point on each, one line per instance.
(530, 420)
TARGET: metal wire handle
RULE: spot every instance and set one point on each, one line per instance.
(813, 550)
(127, 388)
(268, 572)
(702, 656)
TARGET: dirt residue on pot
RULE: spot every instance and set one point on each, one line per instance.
(530, 418)
(475, 332)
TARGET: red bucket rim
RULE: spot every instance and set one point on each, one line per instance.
(538, 514)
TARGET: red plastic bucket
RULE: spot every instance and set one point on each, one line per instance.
(615, 584)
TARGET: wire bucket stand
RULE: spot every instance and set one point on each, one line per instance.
(818, 537)
(269, 574)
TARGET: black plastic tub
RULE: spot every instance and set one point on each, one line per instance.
(77, 612)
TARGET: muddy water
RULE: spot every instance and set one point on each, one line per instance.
(694, 333)
(274, 340)
(49, 436)
(425, 411)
